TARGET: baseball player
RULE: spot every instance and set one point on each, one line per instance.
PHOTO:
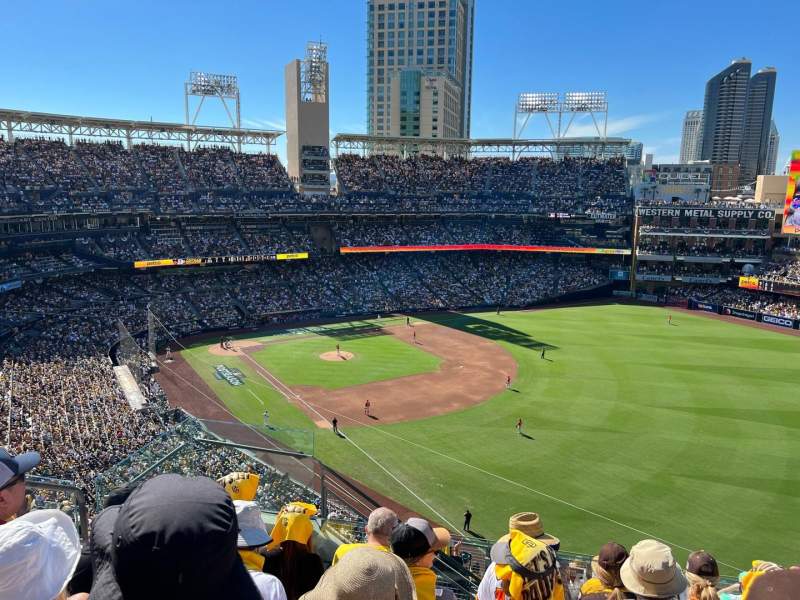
(519, 426)
(366, 407)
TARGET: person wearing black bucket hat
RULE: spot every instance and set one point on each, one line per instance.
(174, 537)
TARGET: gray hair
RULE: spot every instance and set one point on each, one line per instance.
(382, 521)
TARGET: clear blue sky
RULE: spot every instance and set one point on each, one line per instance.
(128, 59)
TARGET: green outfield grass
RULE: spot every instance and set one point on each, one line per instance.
(688, 432)
(376, 358)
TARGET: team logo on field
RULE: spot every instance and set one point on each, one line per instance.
(232, 376)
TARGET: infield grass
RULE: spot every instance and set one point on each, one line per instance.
(688, 432)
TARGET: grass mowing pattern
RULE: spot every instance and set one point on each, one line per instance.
(689, 432)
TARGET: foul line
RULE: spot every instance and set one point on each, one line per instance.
(289, 394)
(337, 487)
(523, 486)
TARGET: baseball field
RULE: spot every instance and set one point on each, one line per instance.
(632, 427)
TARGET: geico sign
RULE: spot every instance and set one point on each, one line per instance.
(777, 320)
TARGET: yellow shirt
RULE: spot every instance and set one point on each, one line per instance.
(424, 582)
(345, 548)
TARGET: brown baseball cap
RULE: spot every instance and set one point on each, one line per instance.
(611, 556)
(701, 563)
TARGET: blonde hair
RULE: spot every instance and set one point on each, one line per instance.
(701, 588)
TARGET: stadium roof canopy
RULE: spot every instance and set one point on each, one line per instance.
(575, 146)
(13, 122)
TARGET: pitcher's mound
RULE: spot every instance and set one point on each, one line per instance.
(332, 356)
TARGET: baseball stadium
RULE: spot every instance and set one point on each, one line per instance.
(491, 337)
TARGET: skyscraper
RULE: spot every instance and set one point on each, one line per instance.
(690, 138)
(723, 113)
(633, 153)
(757, 119)
(419, 67)
(772, 148)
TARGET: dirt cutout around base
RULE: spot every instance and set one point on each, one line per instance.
(340, 356)
(236, 348)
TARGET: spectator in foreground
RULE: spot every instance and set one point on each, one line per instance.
(776, 585)
(528, 523)
(365, 573)
(416, 542)
(12, 482)
(174, 537)
(746, 579)
(522, 568)
(605, 583)
(38, 553)
(380, 524)
(83, 577)
(252, 537)
(651, 571)
(702, 573)
(289, 556)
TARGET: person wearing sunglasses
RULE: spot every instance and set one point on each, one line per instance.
(12, 482)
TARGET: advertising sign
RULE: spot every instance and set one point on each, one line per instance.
(751, 283)
(502, 247)
(232, 376)
(217, 260)
(719, 213)
(777, 321)
(791, 209)
(706, 306)
(738, 312)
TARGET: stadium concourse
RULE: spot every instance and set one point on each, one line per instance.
(76, 219)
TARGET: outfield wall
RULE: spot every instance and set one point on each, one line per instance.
(747, 315)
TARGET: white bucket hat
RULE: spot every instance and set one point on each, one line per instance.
(38, 554)
(651, 571)
(252, 531)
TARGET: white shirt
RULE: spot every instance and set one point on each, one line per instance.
(488, 584)
(269, 586)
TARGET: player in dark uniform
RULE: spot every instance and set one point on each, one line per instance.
(335, 424)
(467, 519)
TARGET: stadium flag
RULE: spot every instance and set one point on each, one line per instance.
(791, 209)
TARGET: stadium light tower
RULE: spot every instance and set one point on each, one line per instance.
(569, 105)
(212, 85)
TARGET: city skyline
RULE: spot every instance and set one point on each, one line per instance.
(138, 74)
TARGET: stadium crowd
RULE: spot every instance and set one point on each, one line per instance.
(57, 331)
(46, 175)
(213, 542)
(426, 175)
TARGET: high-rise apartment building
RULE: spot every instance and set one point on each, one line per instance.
(419, 67)
(757, 119)
(690, 138)
(724, 112)
(772, 149)
(633, 152)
